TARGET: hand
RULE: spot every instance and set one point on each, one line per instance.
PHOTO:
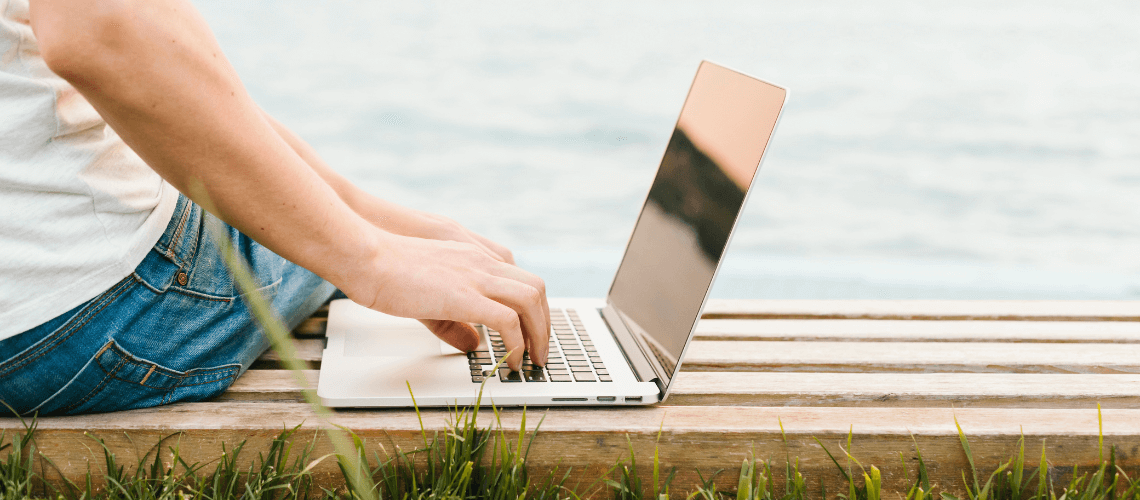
(445, 282)
(443, 228)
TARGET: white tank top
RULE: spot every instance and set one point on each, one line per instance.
(78, 209)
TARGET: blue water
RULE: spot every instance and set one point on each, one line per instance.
(949, 150)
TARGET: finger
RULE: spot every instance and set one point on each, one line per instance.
(457, 334)
(504, 320)
(527, 301)
(520, 274)
(487, 250)
(500, 250)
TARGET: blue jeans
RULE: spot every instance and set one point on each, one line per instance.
(177, 329)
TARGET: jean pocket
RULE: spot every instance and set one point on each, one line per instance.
(117, 380)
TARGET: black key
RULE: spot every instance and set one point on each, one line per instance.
(580, 369)
(506, 375)
(578, 362)
(534, 375)
(563, 377)
(605, 378)
(584, 377)
(477, 379)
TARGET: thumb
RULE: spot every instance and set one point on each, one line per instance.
(459, 335)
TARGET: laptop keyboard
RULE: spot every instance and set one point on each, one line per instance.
(572, 356)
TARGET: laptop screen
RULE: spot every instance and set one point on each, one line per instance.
(692, 206)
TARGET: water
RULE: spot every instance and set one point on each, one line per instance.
(949, 150)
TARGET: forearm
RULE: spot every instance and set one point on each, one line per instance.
(386, 215)
(155, 73)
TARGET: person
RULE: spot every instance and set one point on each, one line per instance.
(119, 121)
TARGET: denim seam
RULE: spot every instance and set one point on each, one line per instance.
(192, 254)
(69, 329)
(233, 375)
(183, 219)
(225, 371)
(97, 388)
(203, 296)
(143, 282)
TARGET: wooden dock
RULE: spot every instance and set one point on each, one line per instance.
(896, 374)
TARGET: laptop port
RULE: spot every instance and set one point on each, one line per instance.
(606, 399)
(559, 400)
(633, 399)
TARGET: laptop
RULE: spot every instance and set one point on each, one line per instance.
(625, 349)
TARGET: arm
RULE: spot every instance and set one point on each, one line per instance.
(153, 70)
(386, 215)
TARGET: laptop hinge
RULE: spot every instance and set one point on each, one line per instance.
(641, 367)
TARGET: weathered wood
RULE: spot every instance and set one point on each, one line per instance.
(312, 327)
(870, 330)
(828, 356)
(883, 390)
(308, 350)
(888, 368)
(693, 438)
(1006, 310)
(913, 357)
(887, 390)
(269, 385)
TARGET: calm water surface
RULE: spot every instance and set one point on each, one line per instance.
(953, 150)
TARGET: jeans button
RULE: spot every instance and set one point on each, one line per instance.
(182, 279)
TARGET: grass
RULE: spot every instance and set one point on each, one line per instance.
(468, 462)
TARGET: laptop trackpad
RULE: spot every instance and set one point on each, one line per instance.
(411, 340)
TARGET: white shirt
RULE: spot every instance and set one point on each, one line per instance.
(78, 208)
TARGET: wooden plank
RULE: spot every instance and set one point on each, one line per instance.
(1005, 310)
(884, 390)
(592, 439)
(869, 330)
(913, 357)
(308, 350)
(269, 385)
(312, 327)
(826, 356)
